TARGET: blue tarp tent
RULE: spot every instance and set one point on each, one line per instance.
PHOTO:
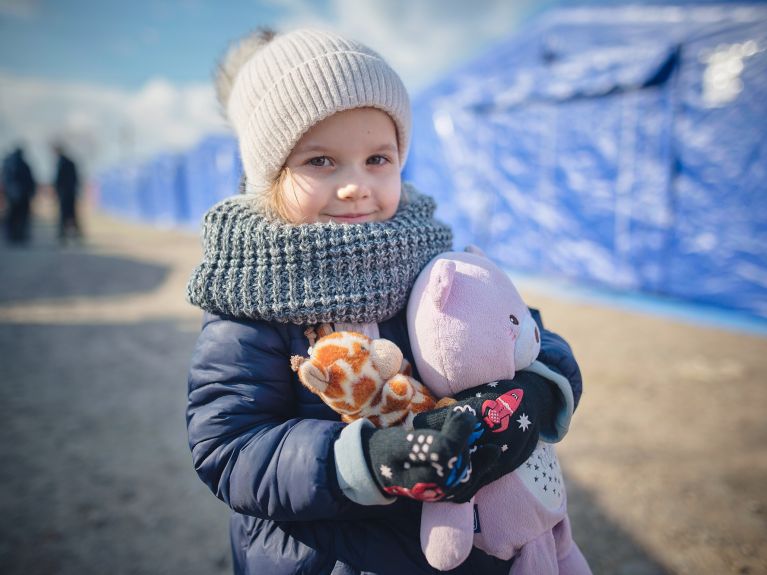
(173, 188)
(120, 191)
(623, 146)
(152, 192)
(163, 197)
(212, 172)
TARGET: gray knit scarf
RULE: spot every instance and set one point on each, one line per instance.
(258, 268)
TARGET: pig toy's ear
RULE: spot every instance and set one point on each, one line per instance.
(441, 282)
(472, 249)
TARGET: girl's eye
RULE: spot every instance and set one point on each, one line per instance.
(320, 162)
(378, 160)
(513, 319)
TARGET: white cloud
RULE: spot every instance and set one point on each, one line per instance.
(103, 125)
(420, 39)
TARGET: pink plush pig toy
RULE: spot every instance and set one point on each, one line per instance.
(469, 327)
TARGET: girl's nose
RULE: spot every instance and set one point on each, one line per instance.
(353, 192)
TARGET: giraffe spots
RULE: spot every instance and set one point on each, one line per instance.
(335, 388)
(392, 404)
(399, 386)
(376, 400)
(328, 354)
(358, 357)
(342, 406)
(426, 404)
(362, 389)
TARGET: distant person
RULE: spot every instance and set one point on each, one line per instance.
(67, 188)
(325, 233)
(19, 185)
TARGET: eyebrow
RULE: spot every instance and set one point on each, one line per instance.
(387, 148)
(312, 148)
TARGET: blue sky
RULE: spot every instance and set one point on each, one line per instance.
(123, 43)
(124, 80)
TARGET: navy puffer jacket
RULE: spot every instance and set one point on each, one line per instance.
(264, 445)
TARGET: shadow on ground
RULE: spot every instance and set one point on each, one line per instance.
(606, 545)
(47, 271)
(97, 476)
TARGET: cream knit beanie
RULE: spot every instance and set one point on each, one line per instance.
(274, 88)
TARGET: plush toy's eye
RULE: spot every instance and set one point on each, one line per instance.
(513, 319)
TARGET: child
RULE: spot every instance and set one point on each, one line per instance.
(325, 232)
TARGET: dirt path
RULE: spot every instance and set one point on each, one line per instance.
(666, 461)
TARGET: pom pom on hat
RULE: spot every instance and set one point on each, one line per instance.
(234, 59)
(275, 88)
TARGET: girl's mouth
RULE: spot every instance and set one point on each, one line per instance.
(352, 218)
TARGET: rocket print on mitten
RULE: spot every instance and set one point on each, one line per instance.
(497, 412)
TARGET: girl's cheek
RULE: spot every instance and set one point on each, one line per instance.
(310, 181)
(303, 183)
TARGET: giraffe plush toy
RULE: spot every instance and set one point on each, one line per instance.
(358, 377)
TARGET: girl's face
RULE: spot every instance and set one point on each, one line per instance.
(345, 169)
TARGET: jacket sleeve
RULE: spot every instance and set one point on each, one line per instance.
(557, 363)
(247, 444)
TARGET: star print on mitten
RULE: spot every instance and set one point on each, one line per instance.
(424, 464)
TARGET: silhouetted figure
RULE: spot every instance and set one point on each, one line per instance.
(19, 185)
(67, 187)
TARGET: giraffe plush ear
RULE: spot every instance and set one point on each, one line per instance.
(386, 357)
(313, 376)
(441, 282)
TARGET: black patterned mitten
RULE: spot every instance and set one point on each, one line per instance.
(424, 464)
(509, 414)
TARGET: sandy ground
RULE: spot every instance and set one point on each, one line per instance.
(666, 460)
